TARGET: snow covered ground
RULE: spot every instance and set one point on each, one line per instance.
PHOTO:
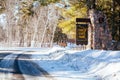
(69, 64)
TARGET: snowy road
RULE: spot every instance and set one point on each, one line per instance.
(59, 64)
(19, 66)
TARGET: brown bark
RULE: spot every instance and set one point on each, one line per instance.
(118, 1)
(101, 36)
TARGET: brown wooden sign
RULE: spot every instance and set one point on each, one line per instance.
(82, 34)
(83, 20)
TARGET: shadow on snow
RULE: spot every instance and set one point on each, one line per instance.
(17, 66)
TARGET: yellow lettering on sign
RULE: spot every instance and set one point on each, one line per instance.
(82, 33)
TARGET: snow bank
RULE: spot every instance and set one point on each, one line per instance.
(67, 64)
(82, 65)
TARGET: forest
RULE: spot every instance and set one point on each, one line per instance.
(41, 23)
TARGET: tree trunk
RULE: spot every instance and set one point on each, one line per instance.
(101, 36)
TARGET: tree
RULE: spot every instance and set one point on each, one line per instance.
(2, 5)
(69, 15)
(26, 14)
(46, 23)
(30, 22)
(94, 10)
(60, 36)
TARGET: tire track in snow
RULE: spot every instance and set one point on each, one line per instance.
(7, 63)
(25, 67)
(16, 65)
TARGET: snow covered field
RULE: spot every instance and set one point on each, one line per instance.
(68, 64)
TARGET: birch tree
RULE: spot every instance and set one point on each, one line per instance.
(39, 24)
(29, 23)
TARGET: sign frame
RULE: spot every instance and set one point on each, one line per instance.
(83, 20)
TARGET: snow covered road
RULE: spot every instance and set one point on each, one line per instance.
(19, 66)
(61, 64)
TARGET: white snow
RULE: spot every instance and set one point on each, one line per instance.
(69, 64)
(2, 19)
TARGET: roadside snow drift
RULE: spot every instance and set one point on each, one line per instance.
(81, 65)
